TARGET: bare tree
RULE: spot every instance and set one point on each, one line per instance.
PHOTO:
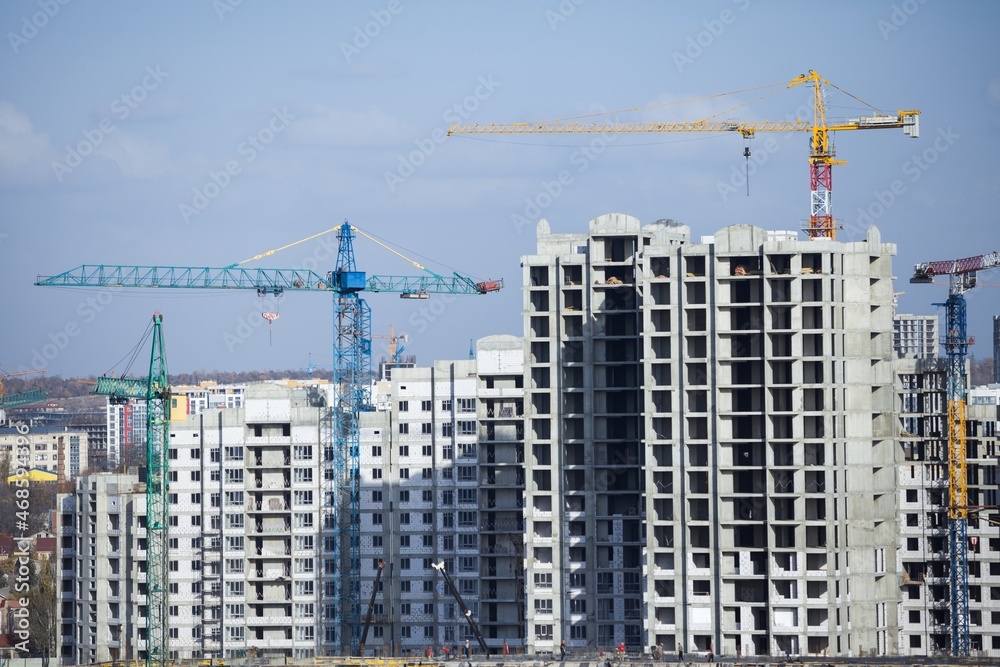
(42, 622)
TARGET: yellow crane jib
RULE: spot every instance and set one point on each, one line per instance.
(821, 151)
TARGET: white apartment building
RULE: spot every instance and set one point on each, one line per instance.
(915, 336)
(58, 449)
(126, 433)
(207, 394)
(442, 481)
(711, 441)
(245, 534)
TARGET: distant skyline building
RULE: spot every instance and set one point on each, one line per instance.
(996, 349)
(59, 449)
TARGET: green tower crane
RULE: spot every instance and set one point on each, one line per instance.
(155, 391)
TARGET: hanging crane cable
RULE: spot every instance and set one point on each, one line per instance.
(131, 355)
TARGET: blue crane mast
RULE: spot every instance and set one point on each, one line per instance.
(962, 277)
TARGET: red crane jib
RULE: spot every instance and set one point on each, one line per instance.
(967, 265)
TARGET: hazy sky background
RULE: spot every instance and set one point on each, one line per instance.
(118, 121)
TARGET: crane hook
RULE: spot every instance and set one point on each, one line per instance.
(746, 156)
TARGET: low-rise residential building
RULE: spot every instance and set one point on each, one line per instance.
(61, 450)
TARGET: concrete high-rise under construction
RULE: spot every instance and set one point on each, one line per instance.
(709, 429)
(996, 349)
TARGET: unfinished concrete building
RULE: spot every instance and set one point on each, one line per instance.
(710, 439)
(925, 605)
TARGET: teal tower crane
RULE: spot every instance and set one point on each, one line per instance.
(155, 391)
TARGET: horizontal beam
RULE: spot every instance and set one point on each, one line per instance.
(423, 284)
(269, 280)
(122, 387)
(23, 398)
(185, 277)
(631, 128)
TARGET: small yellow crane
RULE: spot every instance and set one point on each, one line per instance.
(821, 151)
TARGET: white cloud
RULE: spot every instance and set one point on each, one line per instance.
(24, 153)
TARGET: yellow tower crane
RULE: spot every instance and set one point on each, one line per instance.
(821, 151)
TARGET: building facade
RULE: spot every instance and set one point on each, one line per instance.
(442, 482)
(245, 537)
(58, 449)
(698, 416)
(996, 349)
(915, 336)
(126, 433)
(101, 572)
(925, 604)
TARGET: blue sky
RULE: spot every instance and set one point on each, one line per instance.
(204, 133)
